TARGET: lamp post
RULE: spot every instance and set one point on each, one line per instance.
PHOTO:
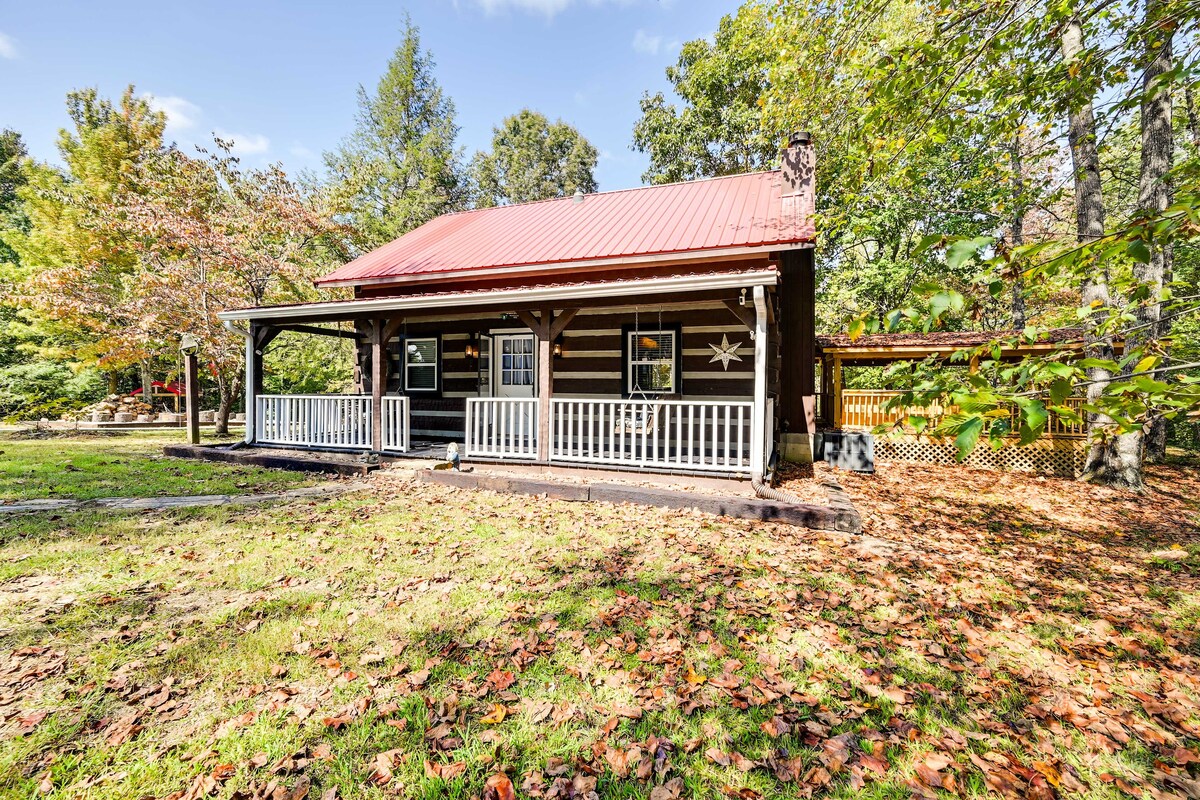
(188, 346)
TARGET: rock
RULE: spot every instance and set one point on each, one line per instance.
(122, 416)
(208, 416)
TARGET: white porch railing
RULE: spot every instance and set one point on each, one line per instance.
(502, 427)
(314, 420)
(711, 436)
(395, 424)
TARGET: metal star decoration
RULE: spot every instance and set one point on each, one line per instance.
(725, 352)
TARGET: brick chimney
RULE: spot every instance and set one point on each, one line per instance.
(799, 180)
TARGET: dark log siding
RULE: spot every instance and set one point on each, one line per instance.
(590, 365)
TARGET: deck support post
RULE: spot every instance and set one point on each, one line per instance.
(378, 382)
(546, 328)
(758, 413)
(837, 392)
(253, 386)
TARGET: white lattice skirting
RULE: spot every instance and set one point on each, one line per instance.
(1062, 457)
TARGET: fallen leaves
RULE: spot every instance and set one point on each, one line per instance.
(499, 787)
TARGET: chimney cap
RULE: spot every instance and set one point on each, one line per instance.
(799, 138)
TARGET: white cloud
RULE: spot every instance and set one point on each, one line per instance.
(245, 144)
(8, 46)
(181, 114)
(300, 151)
(645, 43)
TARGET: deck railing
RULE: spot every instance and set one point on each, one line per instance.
(395, 424)
(502, 427)
(712, 436)
(315, 420)
(864, 409)
(330, 420)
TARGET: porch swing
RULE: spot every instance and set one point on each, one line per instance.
(642, 420)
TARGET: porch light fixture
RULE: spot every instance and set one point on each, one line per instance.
(558, 346)
(472, 349)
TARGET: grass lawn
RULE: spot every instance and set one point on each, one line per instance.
(991, 635)
(88, 466)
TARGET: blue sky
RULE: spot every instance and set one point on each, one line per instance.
(280, 77)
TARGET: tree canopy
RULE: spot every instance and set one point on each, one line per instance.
(533, 159)
(401, 166)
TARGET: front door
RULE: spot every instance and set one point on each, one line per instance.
(514, 374)
(513, 365)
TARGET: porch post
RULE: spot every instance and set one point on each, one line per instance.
(545, 385)
(253, 381)
(758, 414)
(837, 392)
(378, 379)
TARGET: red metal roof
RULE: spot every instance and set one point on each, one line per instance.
(739, 211)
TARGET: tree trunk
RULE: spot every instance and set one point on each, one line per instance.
(147, 381)
(114, 385)
(1113, 460)
(1154, 195)
(1018, 228)
(1193, 121)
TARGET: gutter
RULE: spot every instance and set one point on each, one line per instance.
(516, 298)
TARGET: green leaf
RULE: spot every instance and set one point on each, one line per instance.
(1139, 251)
(964, 250)
(856, 329)
(968, 436)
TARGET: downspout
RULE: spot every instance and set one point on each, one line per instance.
(758, 433)
(249, 382)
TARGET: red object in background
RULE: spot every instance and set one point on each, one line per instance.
(174, 387)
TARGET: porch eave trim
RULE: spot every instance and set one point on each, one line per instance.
(517, 298)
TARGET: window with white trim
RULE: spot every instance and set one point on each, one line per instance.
(651, 367)
(421, 365)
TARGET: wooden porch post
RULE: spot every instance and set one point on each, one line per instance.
(546, 327)
(378, 382)
(837, 392)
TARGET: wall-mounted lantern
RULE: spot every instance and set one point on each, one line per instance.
(558, 343)
(472, 348)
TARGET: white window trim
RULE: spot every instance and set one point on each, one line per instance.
(437, 373)
(630, 362)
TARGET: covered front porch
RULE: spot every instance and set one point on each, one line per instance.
(670, 374)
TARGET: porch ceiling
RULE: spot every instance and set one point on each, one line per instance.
(557, 296)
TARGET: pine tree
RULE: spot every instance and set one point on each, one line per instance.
(400, 168)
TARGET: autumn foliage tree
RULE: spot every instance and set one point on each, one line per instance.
(74, 271)
(211, 234)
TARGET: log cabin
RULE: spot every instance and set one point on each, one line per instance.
(663, 328)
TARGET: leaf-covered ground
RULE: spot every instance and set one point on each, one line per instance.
(85, 467)
(990, 635)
